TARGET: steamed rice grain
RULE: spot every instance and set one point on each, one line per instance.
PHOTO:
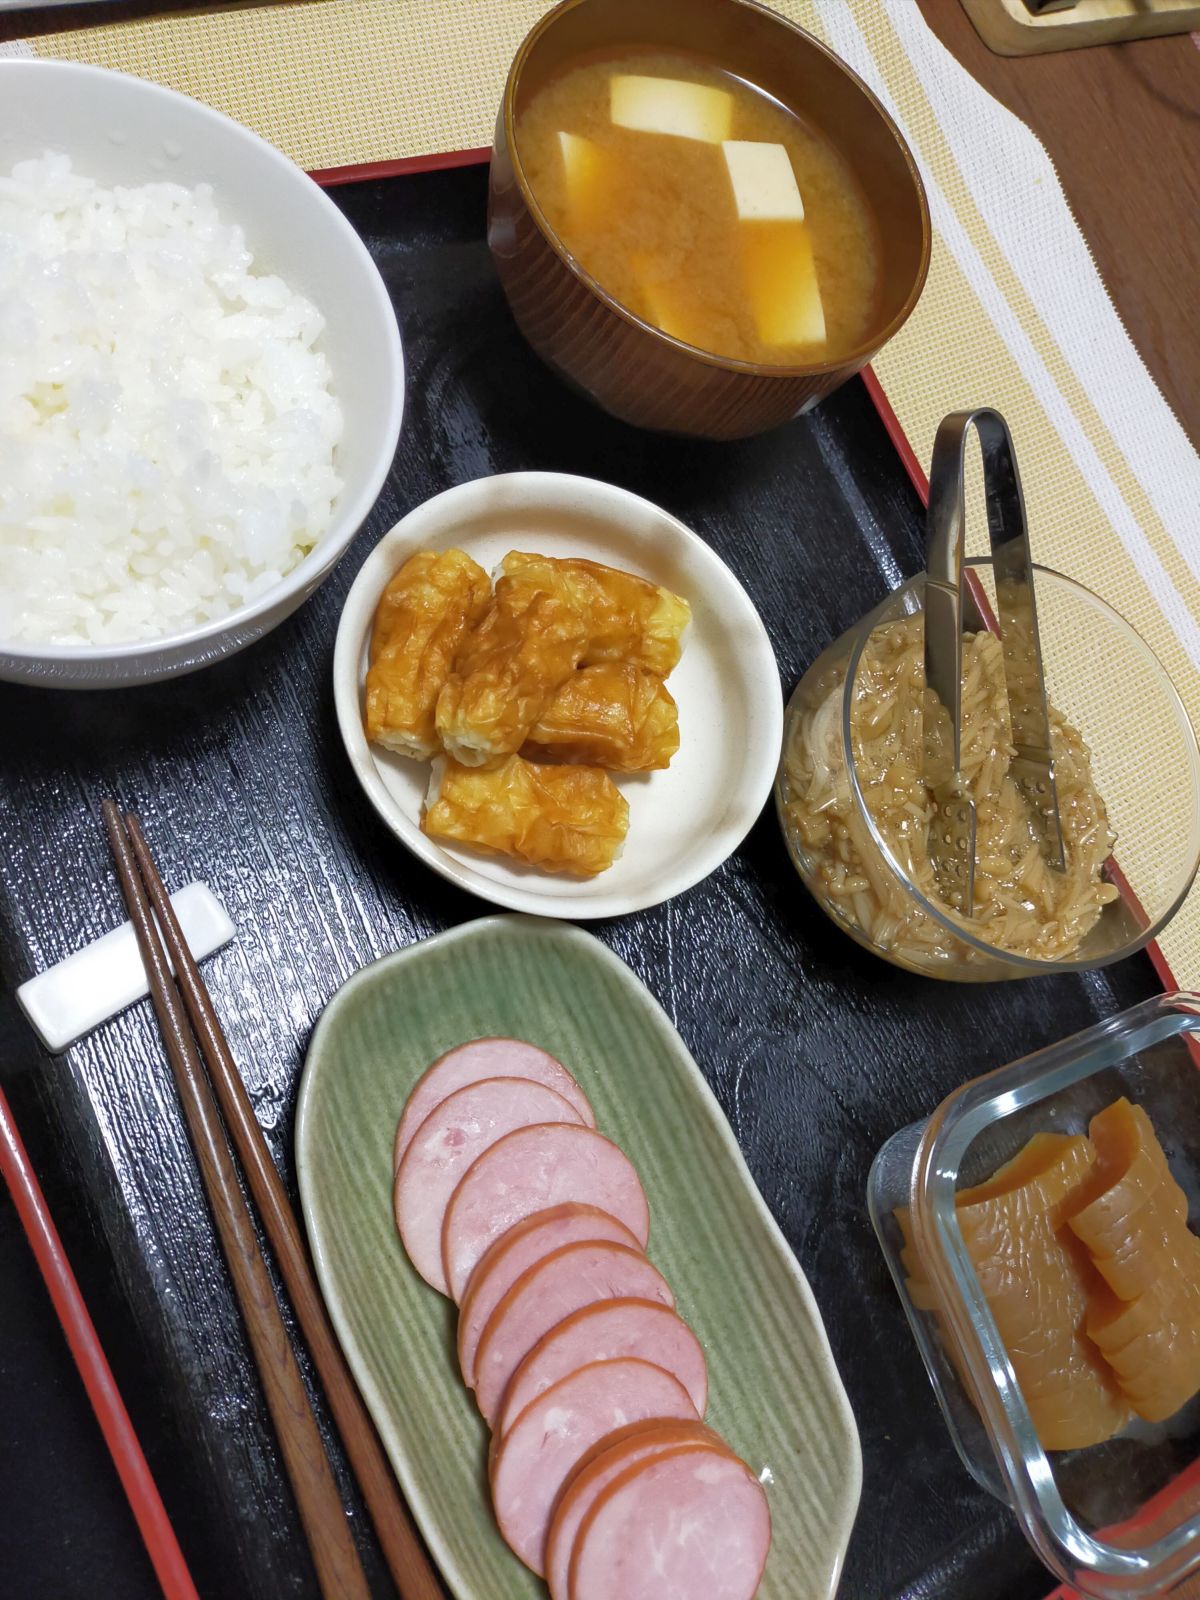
(168, 430)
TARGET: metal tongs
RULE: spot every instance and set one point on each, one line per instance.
(951, 607)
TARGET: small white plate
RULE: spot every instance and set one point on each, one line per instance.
(683, 822)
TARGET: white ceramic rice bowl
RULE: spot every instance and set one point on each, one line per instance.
(123, 130)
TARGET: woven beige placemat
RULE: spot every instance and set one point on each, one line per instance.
(1111, 481)
(334, 83)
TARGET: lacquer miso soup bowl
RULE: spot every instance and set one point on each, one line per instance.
(627, 365)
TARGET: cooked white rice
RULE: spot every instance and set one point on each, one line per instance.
(167, 428)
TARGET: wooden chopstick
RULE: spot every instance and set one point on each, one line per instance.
(326, 1527)
(411, 1569)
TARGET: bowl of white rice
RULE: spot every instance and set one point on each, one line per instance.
(201, 380)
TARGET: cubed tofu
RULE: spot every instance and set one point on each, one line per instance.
(659, 304)
(579, 158)
(587, 169)
(764, 185)
(669, 105)
(781, 282)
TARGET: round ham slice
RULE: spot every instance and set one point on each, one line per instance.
(485, 1058)
(530, 1465)
(514, 1253)
(575, 1276)
(690, 1521)
(608, 1460)
(454, 1133)
(527, 1171)
(605, 1331)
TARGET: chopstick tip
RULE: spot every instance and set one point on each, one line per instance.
(114, 826)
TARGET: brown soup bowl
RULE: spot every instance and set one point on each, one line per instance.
(631, 368)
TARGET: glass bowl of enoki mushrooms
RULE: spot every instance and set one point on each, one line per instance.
(856, 806)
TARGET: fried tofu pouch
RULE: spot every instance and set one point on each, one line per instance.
(508, 671)
(628, 618)
(426, 612)
(611, 715)
(564, 819)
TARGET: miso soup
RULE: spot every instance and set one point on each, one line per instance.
(704, 206)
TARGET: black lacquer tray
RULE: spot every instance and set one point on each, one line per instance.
(817, 1051)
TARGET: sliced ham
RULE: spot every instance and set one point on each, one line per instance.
(533, 1461)
(459, 1129)
(528, 1171)
(485, 1058)
(685, 1523)
(605, 1331)
(576, 1275)
(608, 1460)
(514, 1253)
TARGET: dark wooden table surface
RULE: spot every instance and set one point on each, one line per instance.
(242, 780)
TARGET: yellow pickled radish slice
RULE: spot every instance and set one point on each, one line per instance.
(1037, 1280)
(1153, 1343)
(1131, 1165)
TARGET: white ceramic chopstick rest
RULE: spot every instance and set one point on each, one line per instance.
(87, 988)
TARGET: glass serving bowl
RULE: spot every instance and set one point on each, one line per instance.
(1109, 686)
(1118, 1520)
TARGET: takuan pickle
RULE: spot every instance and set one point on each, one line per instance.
(1083, 1252)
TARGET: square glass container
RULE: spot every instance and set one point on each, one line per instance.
(1115, 1520)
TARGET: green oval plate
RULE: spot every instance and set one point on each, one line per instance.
(774, 1390)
